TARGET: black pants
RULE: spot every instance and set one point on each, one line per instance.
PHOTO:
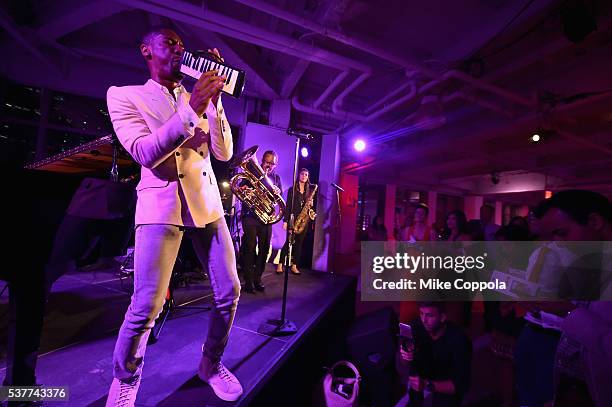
(297, 249)
(256, 234)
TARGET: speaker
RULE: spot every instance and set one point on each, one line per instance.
(578, 17)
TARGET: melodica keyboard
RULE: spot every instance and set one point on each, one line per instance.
(195, 64)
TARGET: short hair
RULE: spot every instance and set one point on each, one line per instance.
(578, 204)
(154, 32)
(441, 306)
(270, 152)
(422, 206)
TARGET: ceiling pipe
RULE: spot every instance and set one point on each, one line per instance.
(340, 98)
(489, 88)
(276, 11)
(297, 105)
(332, 86)
(212, 21)
(344, 115)
(388, 96)
(365, 46)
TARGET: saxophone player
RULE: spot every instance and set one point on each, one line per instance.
(257, 233)
(303, 196)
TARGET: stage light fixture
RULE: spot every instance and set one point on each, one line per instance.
(535, 138)
(359, 145)
(304, 152)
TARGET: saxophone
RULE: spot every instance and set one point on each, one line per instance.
(302, 219)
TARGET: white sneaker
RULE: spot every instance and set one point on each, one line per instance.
(225, 385)
(123, 394)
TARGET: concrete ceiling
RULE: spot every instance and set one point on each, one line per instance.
(498, 70)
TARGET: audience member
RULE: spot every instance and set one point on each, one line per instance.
(487, 222)
(456, 227)
(436, 363)
(419, 230)
(377, 231)
(583, 360)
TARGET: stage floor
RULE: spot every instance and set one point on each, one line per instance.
(86, 309)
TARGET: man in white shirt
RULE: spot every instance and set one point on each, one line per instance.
(172, 133)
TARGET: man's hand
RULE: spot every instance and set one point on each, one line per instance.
(206, 89)
(416, 383)
(284, 225)
(276, 189)
(407, 355)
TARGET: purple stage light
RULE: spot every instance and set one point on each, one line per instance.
(304, 152)
(359, 145)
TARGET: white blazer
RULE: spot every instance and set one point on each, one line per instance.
(173, 145)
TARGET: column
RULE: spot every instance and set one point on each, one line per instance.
(471, 206)
(326, 224)
(499, 212)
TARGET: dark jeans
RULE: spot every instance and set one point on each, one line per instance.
(25, 320)
(256, 234)
(297, 249)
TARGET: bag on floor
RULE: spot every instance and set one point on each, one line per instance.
(341, 385)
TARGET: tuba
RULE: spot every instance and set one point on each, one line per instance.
(259, 195)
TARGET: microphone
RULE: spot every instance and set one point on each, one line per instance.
(300, 133)
(338, 187)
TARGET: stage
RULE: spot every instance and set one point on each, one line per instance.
(86, 309)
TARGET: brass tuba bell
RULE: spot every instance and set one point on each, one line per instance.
(254, 189)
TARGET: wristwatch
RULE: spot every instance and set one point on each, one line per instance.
(430, 386)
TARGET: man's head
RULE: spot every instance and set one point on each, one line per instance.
(269, 160)
(163, 49)
(421, 212)
(433, 316)
(575, 215)
(487, 212)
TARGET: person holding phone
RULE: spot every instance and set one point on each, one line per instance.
(434, 359)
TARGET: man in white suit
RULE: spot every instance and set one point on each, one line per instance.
(172, 133)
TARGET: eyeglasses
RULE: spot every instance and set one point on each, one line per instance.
(272, 163)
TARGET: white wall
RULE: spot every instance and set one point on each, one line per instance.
(273, 138)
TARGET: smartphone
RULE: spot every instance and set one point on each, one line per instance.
(405, 330)
(405, 335)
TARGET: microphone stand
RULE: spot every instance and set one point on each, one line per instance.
(283, 326)
(338, 224)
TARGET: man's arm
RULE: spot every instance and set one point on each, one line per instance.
(148, 148)
(461, 370)
(592, 331)
(221, 141)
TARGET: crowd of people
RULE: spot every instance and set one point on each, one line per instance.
(567, 366)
